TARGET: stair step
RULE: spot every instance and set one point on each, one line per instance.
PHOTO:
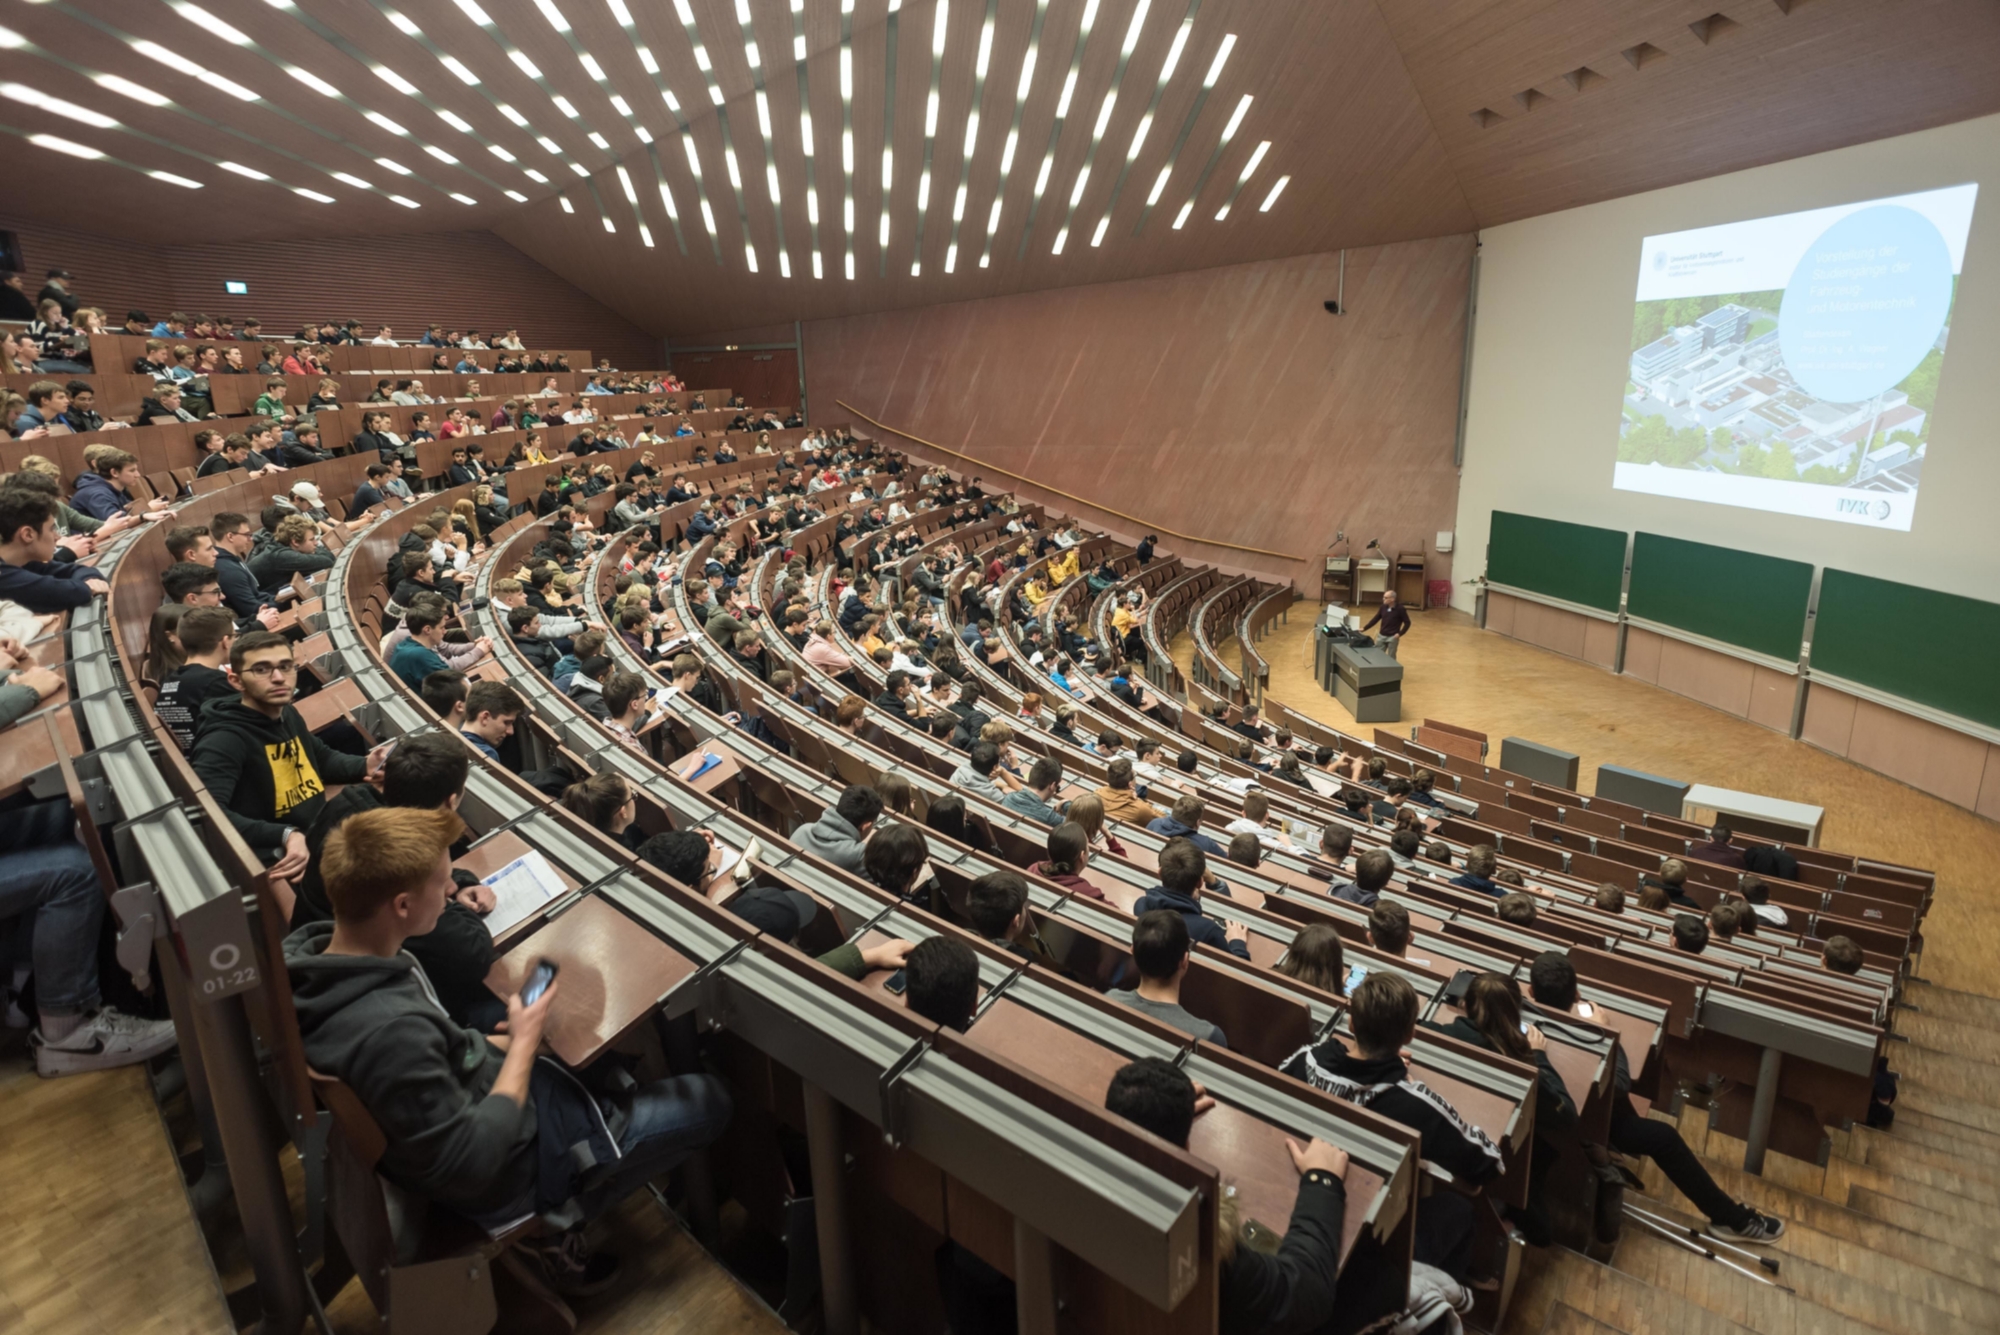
(1979, 1040)
(1917, 1119)
(1903, 1154)
(1949, 1073)
(1964, 1007)
(1979, 1112)
(1611, 1298)
(1907, 1134)
(1865, 1290)
(1566, 1320)
(1968, 1264)
(1925, 1218)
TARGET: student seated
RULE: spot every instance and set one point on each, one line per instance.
(1383, 1016)
(1244, 850)
(1372, 870)
(1316, 959)
(1516, 907)
(997, 906)
(1673, 878)
(1492, 1020)
(1841, 955)
(1032, 799)
(1690, 934)
(1552, 985)
(259, 762)
(1480, 862)
(943, 981)
(1758, 896)
(1610, 898)
(841, 832)
(1161, 949)
(426, 771)
(29, 572)
(1185, 823)
(1724, 920)
(1719, 849)
(1293, 1289)
(1183, 870)
(454, 1104)
(206, 635)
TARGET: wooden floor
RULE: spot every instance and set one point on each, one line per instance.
(97, 1231)
(1458, 673)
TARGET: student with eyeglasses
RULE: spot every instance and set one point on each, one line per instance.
(257, 759)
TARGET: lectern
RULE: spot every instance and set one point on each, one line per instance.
(1367, 682)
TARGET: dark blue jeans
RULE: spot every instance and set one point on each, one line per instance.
(53, 891)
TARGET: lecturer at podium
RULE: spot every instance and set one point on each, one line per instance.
(1395, 622)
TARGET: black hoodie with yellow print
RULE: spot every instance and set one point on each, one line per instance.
(269, 774)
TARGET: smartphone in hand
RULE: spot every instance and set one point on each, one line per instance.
(538, 981)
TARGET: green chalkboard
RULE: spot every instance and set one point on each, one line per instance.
(1740, 598)
(1573, 562)
(1937, 649)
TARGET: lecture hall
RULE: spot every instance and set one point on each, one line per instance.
(999, 667)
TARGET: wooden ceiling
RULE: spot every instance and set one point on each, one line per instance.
(1392, 119)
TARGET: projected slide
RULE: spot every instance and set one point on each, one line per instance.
(1791, 363)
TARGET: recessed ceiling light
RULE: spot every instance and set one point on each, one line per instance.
(667, 96)
(22, 93)
(458, 67)
(474, 12)
(701, 58)
(195, 14)
(393, 166)
(600, 140)
(525, 65)
(645, 135)
(500, 153)
(171, 179)
(951, 257)
(313, 195)
(534, 176)
(1272, 198)
(312, 81)
(625, 181)
(1236, 118)
(564, 105)
(590, 66)
(1061, 237)
(386, 123)
(799, 47)
(1256, 159)
(567, 207)
(553, 15)
(646, 59)
(517, 197)
(646, 236)
(550, 145)
(402, 22)
(242, 170)
(10, 39)
(354, 181)
(1159, 185)
(126, 88)
(395, 80)
(1097, 237)
(619, 12)
(1221, 58)
(579, 169)
(61, 145)
(464, 199)
(609, 226)
(620, 105)
(1182, 216)
(405, 201)
(455, 121)
(172, 60)
(513, 115)
(441, 155)
(750, 255)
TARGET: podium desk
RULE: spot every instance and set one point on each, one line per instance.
(1367, 682)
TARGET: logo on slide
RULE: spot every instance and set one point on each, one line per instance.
(1879, 511)
(1659, 259)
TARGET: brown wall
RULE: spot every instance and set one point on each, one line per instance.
(765, 377)
(454, 278)
(1224, 403)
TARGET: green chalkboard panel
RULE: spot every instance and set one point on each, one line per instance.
(1740, 598)
(1573, 562)
(1937, 649)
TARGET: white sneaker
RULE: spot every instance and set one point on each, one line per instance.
(1758, 1228)
(107, 1038)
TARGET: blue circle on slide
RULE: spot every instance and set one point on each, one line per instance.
(1865, 303)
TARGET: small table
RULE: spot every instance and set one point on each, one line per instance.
(1794, 822)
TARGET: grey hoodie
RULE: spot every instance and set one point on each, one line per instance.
(375, 1025)
(833, 838)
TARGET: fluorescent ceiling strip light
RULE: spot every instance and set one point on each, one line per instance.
(1194, 111)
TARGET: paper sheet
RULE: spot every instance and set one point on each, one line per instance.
(520, 889)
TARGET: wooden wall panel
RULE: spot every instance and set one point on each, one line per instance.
(1225, 403)
(766, 379)
(457, 279)
(1919, 752)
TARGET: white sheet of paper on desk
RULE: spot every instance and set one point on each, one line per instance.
(521, 888)
(725, 858)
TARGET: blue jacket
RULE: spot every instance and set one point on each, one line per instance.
(1200, 926)
(413, 660)
(1480, 883)
(47, 586)
(1173, 829)
(96, 497)
(239, 587)
(1023, 802)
